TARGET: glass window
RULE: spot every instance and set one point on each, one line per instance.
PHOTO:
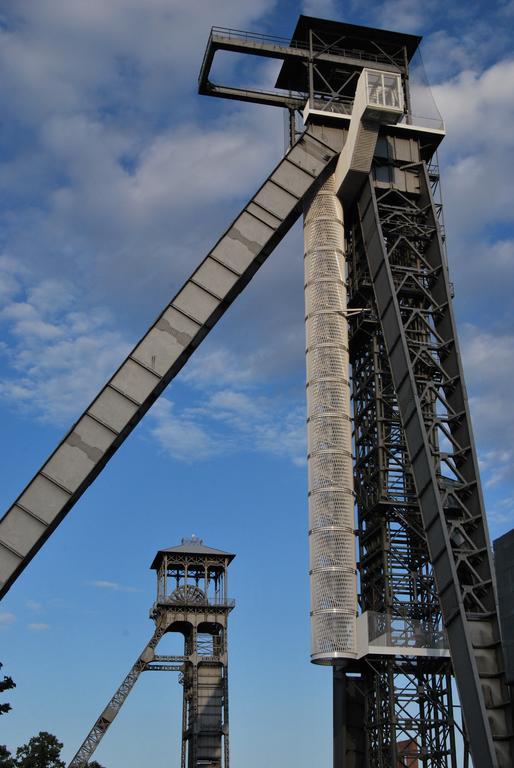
(383, 89)
(374, 88)
(391, 95)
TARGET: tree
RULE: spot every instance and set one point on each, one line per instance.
(6, 759)
(94, 764)
(5, 685)
(42, 751)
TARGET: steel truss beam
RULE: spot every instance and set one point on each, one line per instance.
(408, 712)
(164, 349)
(406, 703)
(205, 716)
(404, 253)
(101, 726)
(269, 46)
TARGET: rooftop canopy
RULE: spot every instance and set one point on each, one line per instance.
(191, 546)
(367, 43)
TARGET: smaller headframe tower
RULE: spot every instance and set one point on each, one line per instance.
(192, 599)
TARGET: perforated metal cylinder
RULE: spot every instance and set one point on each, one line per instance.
(331, 515)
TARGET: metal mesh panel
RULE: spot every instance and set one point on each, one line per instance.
(327, 361)
(332, 548)
(324, 328)
(327, 206)
(325, 295)
(323, 233)
(329, 432)
(330, 468)
(332, 633)
(334, 588)
(330, 507)
(327, 397)
(324, 264)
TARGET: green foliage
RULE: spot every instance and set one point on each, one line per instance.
(6, 759)
(42, 751)
(5, 685)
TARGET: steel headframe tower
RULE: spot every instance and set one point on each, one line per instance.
(419, 607)
(191, 600)
(192, 594)
(377, 299)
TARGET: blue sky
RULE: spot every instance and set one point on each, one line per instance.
(115, 178)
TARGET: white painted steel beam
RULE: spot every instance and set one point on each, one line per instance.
(163, 350)
(370, 110)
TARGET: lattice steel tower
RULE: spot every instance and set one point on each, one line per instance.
(192, 601)
(192, 596)
(408, 604)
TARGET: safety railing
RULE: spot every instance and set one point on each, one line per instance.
(385, 630)
(434, 123)
(283, 42)
(338, 105)
(216, 601)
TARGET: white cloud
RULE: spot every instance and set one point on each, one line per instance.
(26, 322)
(114, 178)
(404, 15)
(507, 8)
(219, 367)
(9, 282)
(6, 619)
(113, 586)
(38, 626)
(477, 106)
(128, 233)
(501, 514)
(34, 606)
(57, 357)
(127, 183)
(228, 421)
(200, 157)
(489, 369)
(68, 58)
(478, 109)
(325, 9)
(183, 436)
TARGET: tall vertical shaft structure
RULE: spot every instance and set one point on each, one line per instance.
(424, 554)
(331, 503)
(192, 594)
(379, 312)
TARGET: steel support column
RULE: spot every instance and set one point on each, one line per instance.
(405, 258)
